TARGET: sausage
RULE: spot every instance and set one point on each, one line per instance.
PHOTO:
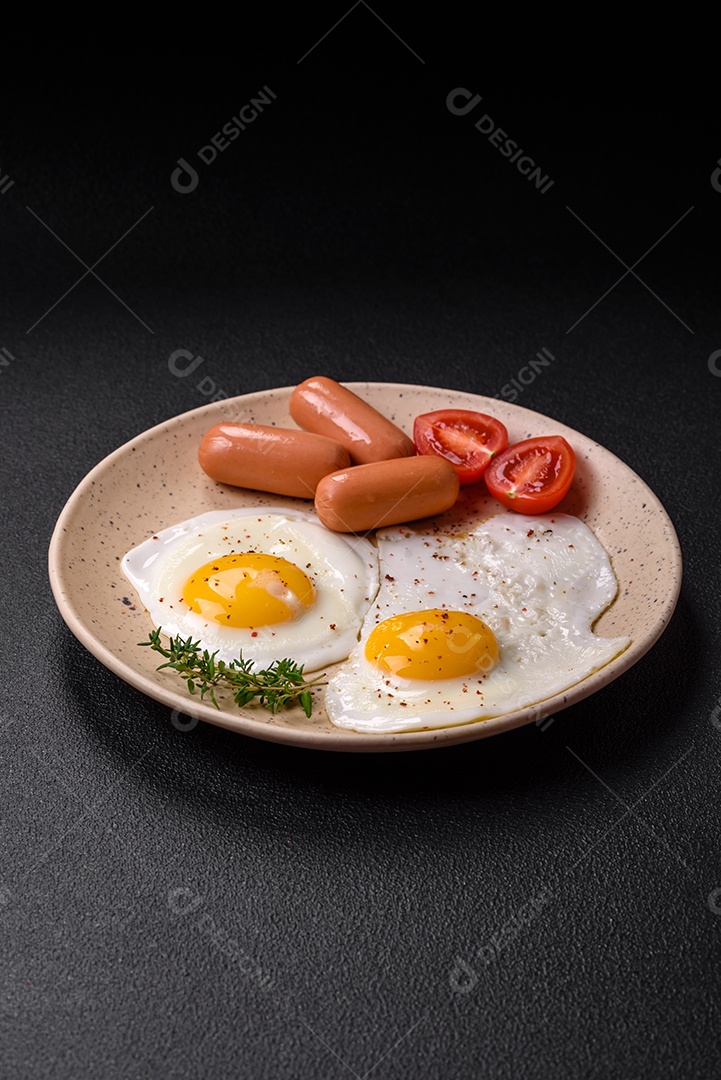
(324, 406)
(281, 460)
(386, 493)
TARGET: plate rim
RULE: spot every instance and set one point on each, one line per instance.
(345, 740)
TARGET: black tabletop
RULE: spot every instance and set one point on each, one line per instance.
(368, 204)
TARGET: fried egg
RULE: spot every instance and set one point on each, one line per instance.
(471, 623)
(272, 583)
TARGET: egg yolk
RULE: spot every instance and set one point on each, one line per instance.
(433, 644)
(249, 589)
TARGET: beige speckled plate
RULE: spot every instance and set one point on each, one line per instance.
(154, 481)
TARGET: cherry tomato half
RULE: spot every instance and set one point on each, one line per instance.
(532, 476)
(466, 438)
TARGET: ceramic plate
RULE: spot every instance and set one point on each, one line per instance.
(154, 481)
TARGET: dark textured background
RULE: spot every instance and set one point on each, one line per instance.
(195, 904)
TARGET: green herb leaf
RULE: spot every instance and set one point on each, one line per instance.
(281, 684)
(306, 701)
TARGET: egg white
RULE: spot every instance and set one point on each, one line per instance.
(343, 570)
(538, 582)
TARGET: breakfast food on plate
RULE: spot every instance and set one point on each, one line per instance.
(279, 460)
(324, 406)
(270, 582)
(385, 493)
(475, 621)
(532, 476)
(459, 619)
(346, 435)
(466, 438)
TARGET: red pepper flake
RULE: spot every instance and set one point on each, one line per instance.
(332, 626)
(389, 578)
(254, 633)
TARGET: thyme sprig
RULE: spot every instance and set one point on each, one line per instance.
(281, 684)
